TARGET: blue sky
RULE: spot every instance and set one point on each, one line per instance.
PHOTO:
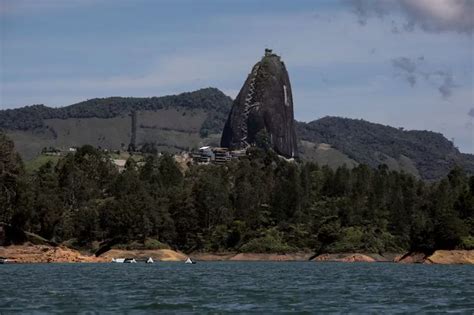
(405, 63)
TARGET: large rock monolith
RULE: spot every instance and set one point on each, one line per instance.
(263, 110)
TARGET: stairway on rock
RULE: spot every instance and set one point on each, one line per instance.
(248, 106)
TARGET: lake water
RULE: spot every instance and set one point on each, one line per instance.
(248, 287)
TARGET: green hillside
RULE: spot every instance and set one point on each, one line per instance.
(186, 121)
(30, 117)
(170, 123)
(421, 153)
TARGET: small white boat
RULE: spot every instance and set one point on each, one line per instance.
(149, 260)
(3, 261)
(124, 260)
(189, 261)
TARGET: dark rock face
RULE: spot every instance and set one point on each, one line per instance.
(264, 106)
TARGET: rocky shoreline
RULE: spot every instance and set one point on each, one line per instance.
(443, 257)
(59, 254)
(45, 254)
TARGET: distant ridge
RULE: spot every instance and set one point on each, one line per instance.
(29, 117)
(170, 123)
(425, 153)
(188, 120)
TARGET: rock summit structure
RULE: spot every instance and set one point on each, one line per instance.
(263, 109)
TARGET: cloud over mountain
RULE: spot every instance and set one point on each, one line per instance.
(411, 69)
(407, 66)
(471, 112)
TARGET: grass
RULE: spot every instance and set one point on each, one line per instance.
(35, 164)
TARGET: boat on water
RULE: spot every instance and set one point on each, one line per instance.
(189, 261)
(124, 260)
(3, 261)
(149, 260)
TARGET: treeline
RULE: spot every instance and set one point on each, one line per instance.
(210, 99)
(260, 203)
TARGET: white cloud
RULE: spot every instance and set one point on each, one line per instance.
(429, 15)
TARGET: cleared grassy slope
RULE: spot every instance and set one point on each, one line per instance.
(36, 163)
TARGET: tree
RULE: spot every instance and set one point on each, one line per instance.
(286, 197)
(15, 193)
(210, 192)
(11, 169)
(48, 204)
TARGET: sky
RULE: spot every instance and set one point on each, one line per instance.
(404, 63)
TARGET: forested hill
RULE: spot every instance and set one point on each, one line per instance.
(169, 123)
(30, 117)
(427, 154)
(189, 120)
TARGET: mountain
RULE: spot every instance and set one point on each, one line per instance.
(263, 105)
(189, 120)
(425, 154)
(173, 123)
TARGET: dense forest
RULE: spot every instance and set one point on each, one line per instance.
(259, 203)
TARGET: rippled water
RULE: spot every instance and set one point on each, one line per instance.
(219, 287)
